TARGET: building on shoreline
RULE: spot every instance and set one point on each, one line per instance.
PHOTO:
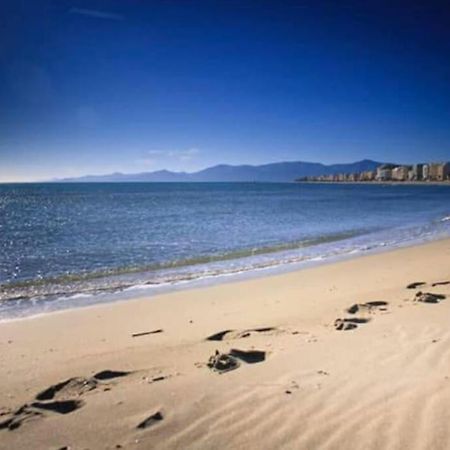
(439, 171)
(401, 173)
(444, 172)
(421, 172)
(384, 172)
(417, 172)
(370, 175)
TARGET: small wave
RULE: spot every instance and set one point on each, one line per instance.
(445, 219)
(122, 278)
(88, 288)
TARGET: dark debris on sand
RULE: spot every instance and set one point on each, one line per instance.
(146, 333)
(222, 362)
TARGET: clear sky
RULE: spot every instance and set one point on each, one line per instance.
(90, 86)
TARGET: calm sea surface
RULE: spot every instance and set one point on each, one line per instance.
(68, 244)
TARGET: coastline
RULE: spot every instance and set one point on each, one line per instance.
(32, 308)
(140, 250)
(328, 373)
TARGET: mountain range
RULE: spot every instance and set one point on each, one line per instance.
(275, 172)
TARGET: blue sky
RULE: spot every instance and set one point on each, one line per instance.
(131, 86)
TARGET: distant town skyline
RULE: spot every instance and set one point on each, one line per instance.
(114, 86)
(420, 172)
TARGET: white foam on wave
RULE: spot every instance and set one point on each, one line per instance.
(153, 283)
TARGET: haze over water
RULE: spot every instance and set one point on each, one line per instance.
(88, 242)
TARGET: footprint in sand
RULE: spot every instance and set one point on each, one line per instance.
(73, 387)
(224, 362)
(151, 420)
(36, 410)
(440, 283)
(60, 398)
(236, 334)
(18, 417)
(59, 406)
(368, 307)
(349, 323)
(110, 374)
(428, 297)
(249, 356)
(415, 284)
(77, 386)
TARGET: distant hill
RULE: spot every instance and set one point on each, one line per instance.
(275, 172)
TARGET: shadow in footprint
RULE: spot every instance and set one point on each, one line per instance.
(60, 407)
(34, 410)
(151, 420)
(249, 356)
(110, 374)
(77, 386)
(376, 304)
(23, 414)
(415, 285)
(349, 323)
(67, 388)
(234, 334)
(72, 386)
(218, 336)
(428, 297)
(369, 306)
(263, 329)
(440, 283)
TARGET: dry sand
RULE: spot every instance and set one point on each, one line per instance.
(381, 384)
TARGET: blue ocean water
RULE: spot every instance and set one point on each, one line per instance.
(68, 244)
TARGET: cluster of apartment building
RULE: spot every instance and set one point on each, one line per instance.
(417, 172)
(393, 172)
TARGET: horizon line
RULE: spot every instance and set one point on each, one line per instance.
(75, 178)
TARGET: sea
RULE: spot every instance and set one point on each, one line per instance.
(69, 245)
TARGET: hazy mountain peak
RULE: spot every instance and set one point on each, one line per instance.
(283, 171)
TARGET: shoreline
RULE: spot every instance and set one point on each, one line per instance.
(314, 386)
(138, 292)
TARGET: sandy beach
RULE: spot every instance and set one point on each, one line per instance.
(379, 378)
